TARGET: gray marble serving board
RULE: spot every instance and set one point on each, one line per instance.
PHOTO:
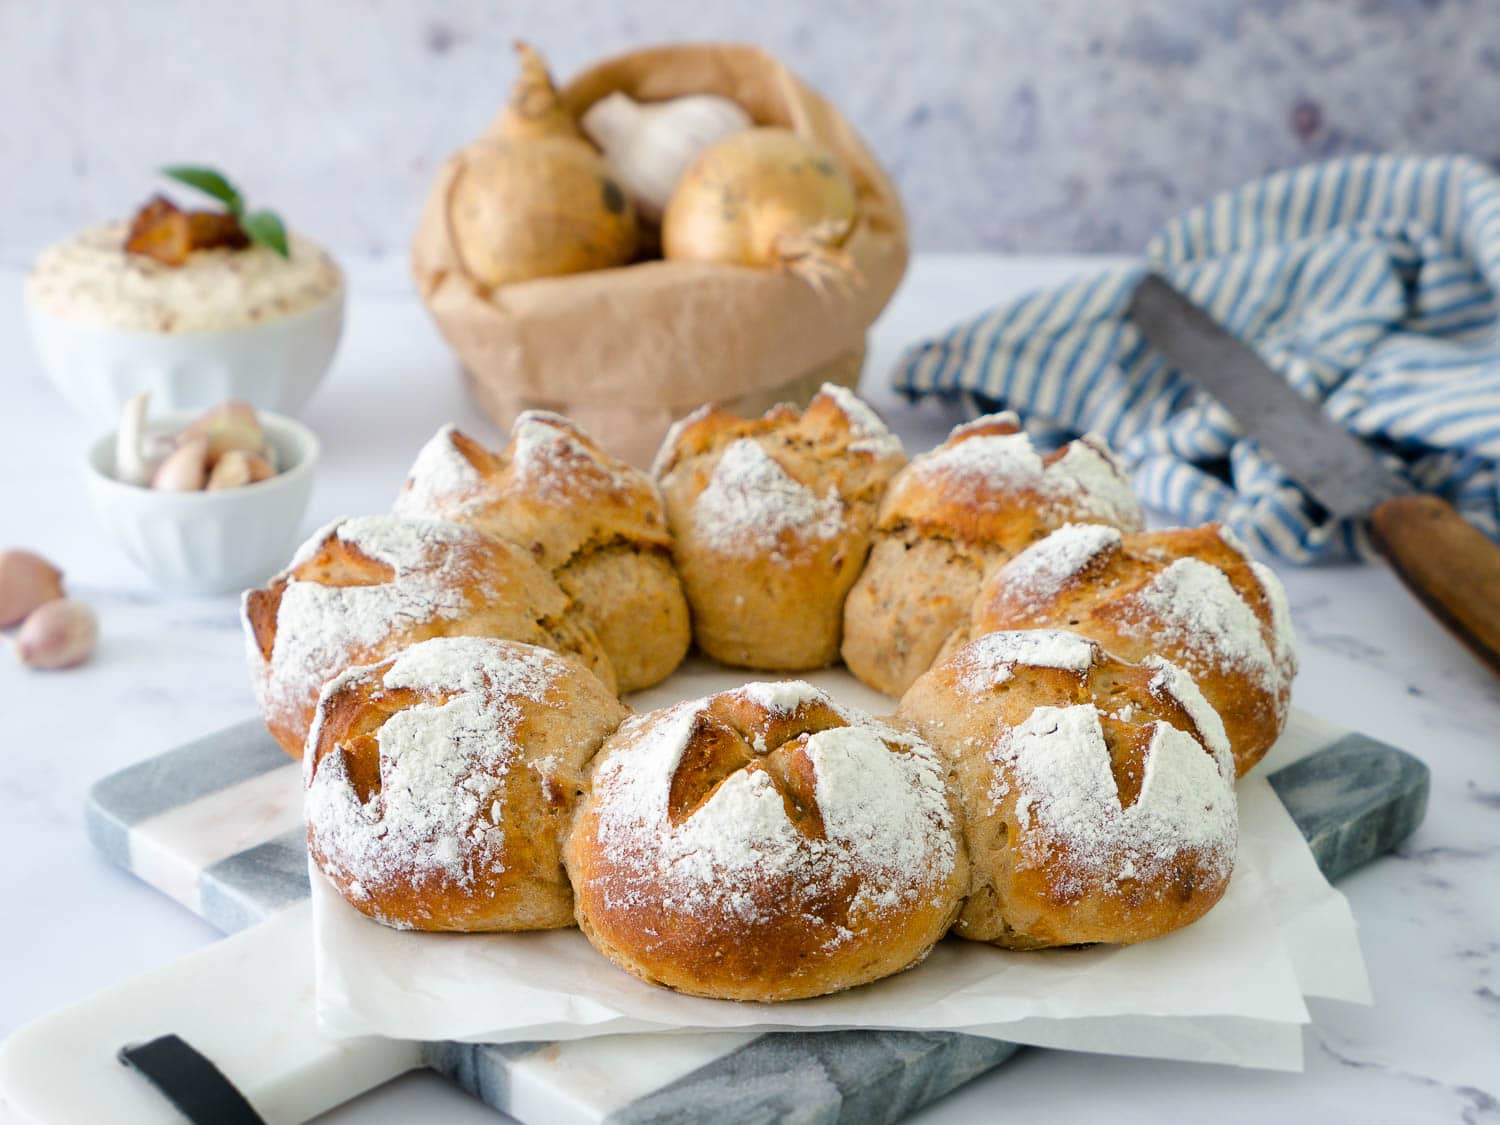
(216, 825)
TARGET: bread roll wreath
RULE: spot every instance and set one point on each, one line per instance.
(1076, 697)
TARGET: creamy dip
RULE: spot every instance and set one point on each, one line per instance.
(90, 278)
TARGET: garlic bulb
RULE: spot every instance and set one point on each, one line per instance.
(650, 145)
(26, 581)
(59, 634)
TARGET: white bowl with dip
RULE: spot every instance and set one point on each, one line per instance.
(209, 542)
(229, 324)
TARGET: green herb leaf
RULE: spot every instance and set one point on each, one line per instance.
(209, 182)
(266, 228)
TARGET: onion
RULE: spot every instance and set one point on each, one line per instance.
(537, 208)
(534, 109)
(533, 198)
(764, 197)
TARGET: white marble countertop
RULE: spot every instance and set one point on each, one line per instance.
(170, 669)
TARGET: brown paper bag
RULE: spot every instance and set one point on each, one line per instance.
(626, 351)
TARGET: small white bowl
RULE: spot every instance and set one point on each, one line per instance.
(209, 542)
(275, 365)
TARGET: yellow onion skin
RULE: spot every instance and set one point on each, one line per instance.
(757, 198)
(540, 207)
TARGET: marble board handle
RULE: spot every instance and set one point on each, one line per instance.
(245, 1002)
(1450, 565)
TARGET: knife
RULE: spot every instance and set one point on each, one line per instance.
(1451, 567)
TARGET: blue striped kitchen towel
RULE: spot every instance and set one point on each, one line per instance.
(1369, 283)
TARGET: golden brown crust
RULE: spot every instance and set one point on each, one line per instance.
(477, 844)
(914, 592)
(713, 853)
(1006, 495)
(1127, 595)
(634, 602)
(954, 514)
(554, 492)
(1100, 869)
(771, 519)
(365, 588)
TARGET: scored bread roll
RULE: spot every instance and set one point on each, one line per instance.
(948, 519)
(771, 519)
(1191, 595)
(362, 589)
(440, 783)
(765, 844)
(1096, 795)
(596, 524)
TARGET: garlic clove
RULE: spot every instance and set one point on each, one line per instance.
(26, 581)
(186, 470)
(649, 145)
(131, 464)
(237, 468)
(58, 634)
(230, 425)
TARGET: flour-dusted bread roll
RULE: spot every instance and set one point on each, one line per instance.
(771, 519)
(1096, 795)
(765, 844)
(948, 519)
(588, 518)
(362, 589)
(440, 783)
(1191, 595)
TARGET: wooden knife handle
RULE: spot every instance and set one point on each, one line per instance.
(1449, 564)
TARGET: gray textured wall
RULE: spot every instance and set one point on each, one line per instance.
(1075, 124)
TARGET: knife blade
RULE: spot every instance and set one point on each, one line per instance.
(1446, 562)
(1340, 471)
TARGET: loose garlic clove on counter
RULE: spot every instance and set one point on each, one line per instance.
(186, 470)
(59, 634)
(238, 468)
(26, 581)
(649, 145)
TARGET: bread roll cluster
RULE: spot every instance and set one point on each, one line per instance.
(1076, 697)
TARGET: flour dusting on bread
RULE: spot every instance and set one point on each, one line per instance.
(1174, 683)
(983, 468)
(884, 814)
(870, 433)
(987, 661)
(751, 503)
(1056, 763)
(319, 626)
(442, 762)
(1193, 607)
(441, 479)
(1040, 572)
(550, 458)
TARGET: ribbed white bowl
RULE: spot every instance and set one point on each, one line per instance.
(209, 542)
(275, 365)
